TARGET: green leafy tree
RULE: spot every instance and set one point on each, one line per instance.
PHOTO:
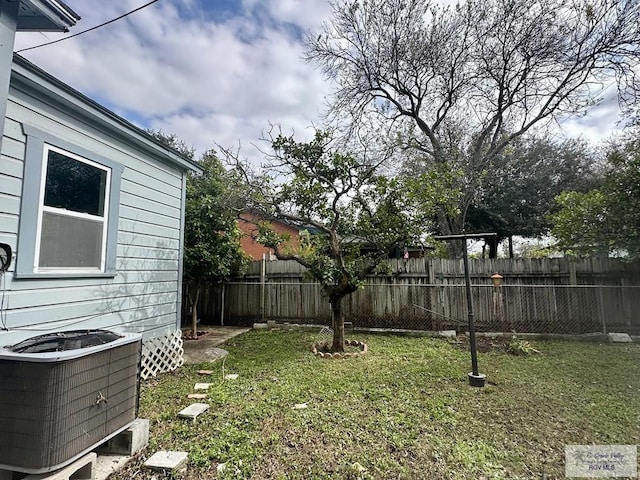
(606, 220)
(517, 195)
(459, 84)
(212, 249)
(353, 215)
(582, 225)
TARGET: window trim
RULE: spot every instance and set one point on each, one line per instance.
(42, 208)
(35, 162)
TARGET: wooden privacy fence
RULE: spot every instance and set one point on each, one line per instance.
(537, 295)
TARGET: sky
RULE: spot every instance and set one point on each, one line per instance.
(209, 71)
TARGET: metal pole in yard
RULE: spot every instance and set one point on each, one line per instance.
(475, 378)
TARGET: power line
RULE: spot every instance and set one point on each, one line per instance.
(89, 29)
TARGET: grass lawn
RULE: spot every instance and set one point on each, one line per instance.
(402, 411)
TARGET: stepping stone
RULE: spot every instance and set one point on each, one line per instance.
(619, 338)
(215, 353)
(447, 333)
(197, 395)
(202, 386)
(166, 460)
(193, 410)
(231, 376)
(205, 372)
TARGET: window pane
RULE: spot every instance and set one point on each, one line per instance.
(74, 185)
(70, 242)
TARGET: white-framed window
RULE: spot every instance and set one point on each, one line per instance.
(69, 210)
(73, 213)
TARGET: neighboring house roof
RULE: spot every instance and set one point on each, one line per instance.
(45, 15)
(32, 80)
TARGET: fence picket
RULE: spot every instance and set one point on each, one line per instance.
(540, 295)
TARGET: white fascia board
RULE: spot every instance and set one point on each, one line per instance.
(51, 15)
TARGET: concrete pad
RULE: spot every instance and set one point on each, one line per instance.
(619, 338)
(205, 353)
(193, 410)
(167, 460)
(108, 464)
(202, 350)
(82, 469)
(128, 442)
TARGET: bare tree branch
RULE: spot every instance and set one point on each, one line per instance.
(495, 69)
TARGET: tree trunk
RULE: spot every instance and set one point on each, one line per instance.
(450, 226)
(493, 247)
(337, 324)
(194, 310)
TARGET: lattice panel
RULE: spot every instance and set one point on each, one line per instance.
(161, 354)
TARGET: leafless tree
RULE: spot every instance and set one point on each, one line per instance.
(461, 83)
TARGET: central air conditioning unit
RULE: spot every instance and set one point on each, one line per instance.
(63, 394)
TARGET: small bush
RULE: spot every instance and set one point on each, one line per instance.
(517, 346)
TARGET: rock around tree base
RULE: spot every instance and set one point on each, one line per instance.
(324, 350)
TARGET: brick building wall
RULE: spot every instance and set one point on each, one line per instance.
(248, 225)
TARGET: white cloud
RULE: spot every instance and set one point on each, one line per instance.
(211, 71)
(598, 123)
(304, 14)
(176, 66)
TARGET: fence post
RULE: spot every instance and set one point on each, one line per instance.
(222, 307)
(602, 314)
(498, 313)
(263, 274)
(432, 294)
(573, 277)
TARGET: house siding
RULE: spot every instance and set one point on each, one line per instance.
(143, 295)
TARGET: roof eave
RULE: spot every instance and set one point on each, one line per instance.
(53, 15)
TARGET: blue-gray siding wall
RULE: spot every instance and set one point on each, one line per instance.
(144, 294)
